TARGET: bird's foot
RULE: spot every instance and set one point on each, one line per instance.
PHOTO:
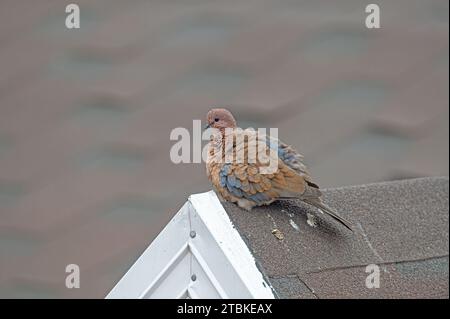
(245, 204)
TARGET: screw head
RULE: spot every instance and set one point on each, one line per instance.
(193, 234)
(193, 277)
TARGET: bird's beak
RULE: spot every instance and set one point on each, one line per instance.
(207, 126)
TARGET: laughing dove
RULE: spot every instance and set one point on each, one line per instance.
(242, 180)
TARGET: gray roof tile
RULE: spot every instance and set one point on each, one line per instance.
(401, 226)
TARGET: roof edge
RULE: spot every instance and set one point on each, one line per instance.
(239, 255)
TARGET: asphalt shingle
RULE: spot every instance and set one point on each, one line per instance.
(401, 226)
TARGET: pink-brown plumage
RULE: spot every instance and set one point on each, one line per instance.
(243, 182)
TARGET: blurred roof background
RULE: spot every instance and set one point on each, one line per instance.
(85, 114)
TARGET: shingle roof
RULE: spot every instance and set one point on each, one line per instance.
(401, 226)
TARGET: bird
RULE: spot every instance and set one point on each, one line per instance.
(243, 182)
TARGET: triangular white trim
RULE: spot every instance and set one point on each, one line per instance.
(200, 240)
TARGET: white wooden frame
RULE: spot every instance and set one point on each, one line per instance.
(199, 254)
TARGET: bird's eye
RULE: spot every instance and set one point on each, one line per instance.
(216, 119)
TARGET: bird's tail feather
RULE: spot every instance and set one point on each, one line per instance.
(326, 209)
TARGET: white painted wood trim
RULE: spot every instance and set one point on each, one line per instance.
(218, 257)
(153, 263)
(216, 220)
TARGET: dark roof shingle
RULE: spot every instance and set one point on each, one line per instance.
(401, 226)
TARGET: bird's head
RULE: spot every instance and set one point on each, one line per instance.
(220, 119)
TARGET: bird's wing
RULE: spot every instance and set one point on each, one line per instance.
(291, 158)
(288, 155)
(246, 179)
(294, 160)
